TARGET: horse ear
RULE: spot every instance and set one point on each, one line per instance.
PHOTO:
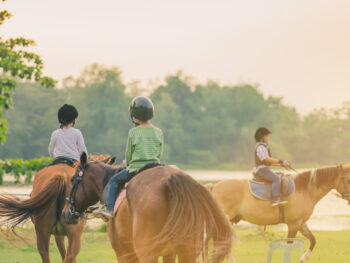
(83, 158)
(112, 160)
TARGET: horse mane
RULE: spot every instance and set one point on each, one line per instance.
(323, 176)
(98, 157)
(110, 171)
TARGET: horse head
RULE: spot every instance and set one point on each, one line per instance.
(343, 186)
(87, 185)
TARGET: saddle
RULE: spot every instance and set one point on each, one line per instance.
(62, 160)
(122, 192)
(262, 189)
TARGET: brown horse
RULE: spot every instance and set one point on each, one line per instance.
(311, 186)
(166, 213)
(51, 186)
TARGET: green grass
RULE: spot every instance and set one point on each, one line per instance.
(332, 246)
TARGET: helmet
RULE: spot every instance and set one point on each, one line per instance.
(141, 108)
(67, 114)
(261, 132)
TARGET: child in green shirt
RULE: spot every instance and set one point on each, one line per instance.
(144, 145)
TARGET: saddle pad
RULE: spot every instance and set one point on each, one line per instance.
(263, 190)
(62, 160)
(119, 200)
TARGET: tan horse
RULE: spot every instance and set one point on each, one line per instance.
(51, 186)
(166, 213)
(239, 204)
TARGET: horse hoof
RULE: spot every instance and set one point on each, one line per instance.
(306, 256)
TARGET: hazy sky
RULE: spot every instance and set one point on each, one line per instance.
(298, 49)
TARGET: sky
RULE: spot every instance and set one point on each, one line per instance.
(296, 49)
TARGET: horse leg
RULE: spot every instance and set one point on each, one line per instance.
(305, 231)
(293, 230)
(119, 230)
(74, 233)
(60, 245)
(186, 253)
(143, 253)
(43, 242)
(169, 259)
(74, 244)
(122, 246)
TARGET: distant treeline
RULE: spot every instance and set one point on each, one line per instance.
(205, 126)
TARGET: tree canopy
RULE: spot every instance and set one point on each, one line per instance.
(17, 63)
(205, 125)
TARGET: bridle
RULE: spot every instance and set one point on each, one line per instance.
(343, 179)
(76, 180)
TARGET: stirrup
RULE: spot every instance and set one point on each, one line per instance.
(92, 208)
(99, 214)
(283, 202)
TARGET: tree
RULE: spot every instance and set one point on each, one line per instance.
(17, 63)
(99, 95)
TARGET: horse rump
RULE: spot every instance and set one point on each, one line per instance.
(16, 211)
(194, 216)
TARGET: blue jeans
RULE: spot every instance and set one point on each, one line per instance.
(115, 183)
(270, 176)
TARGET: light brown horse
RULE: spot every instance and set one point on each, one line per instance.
(51, 186)
(166, 213)
(311, 186)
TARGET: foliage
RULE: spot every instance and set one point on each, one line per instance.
(205, 125)
(17, 63)
(20, 167)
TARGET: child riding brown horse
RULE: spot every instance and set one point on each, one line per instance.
(51, 187)
(166, 213)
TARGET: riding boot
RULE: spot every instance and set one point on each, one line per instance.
(104, 214)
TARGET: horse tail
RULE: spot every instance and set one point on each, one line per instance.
(195, 216)
(17, 211)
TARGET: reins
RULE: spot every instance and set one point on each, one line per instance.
(76, 180)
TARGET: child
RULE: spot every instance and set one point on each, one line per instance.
(67, 142)
(263, 160)
(144, 145)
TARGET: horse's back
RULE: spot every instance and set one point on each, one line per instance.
(147, 190)
(230, 194)
(229, 189)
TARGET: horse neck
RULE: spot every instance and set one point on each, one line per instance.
(322, 181)
(102, 176)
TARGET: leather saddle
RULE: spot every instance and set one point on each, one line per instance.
(63, 160)
(262, 189)
(122, 192)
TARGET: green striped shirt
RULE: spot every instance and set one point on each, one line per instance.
(145, 145)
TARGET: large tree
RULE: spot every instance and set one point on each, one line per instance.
(17, 63)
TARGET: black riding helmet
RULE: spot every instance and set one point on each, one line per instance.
(260, 133)
(141, 108)
(67, 114)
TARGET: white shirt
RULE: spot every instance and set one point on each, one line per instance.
(67, 142)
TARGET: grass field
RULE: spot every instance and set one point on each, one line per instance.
(332, 247)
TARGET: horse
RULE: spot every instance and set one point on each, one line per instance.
(44, 207)
(165, 213)
(310, 187)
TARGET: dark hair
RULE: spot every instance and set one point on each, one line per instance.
(260, 133)
(67, 114)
